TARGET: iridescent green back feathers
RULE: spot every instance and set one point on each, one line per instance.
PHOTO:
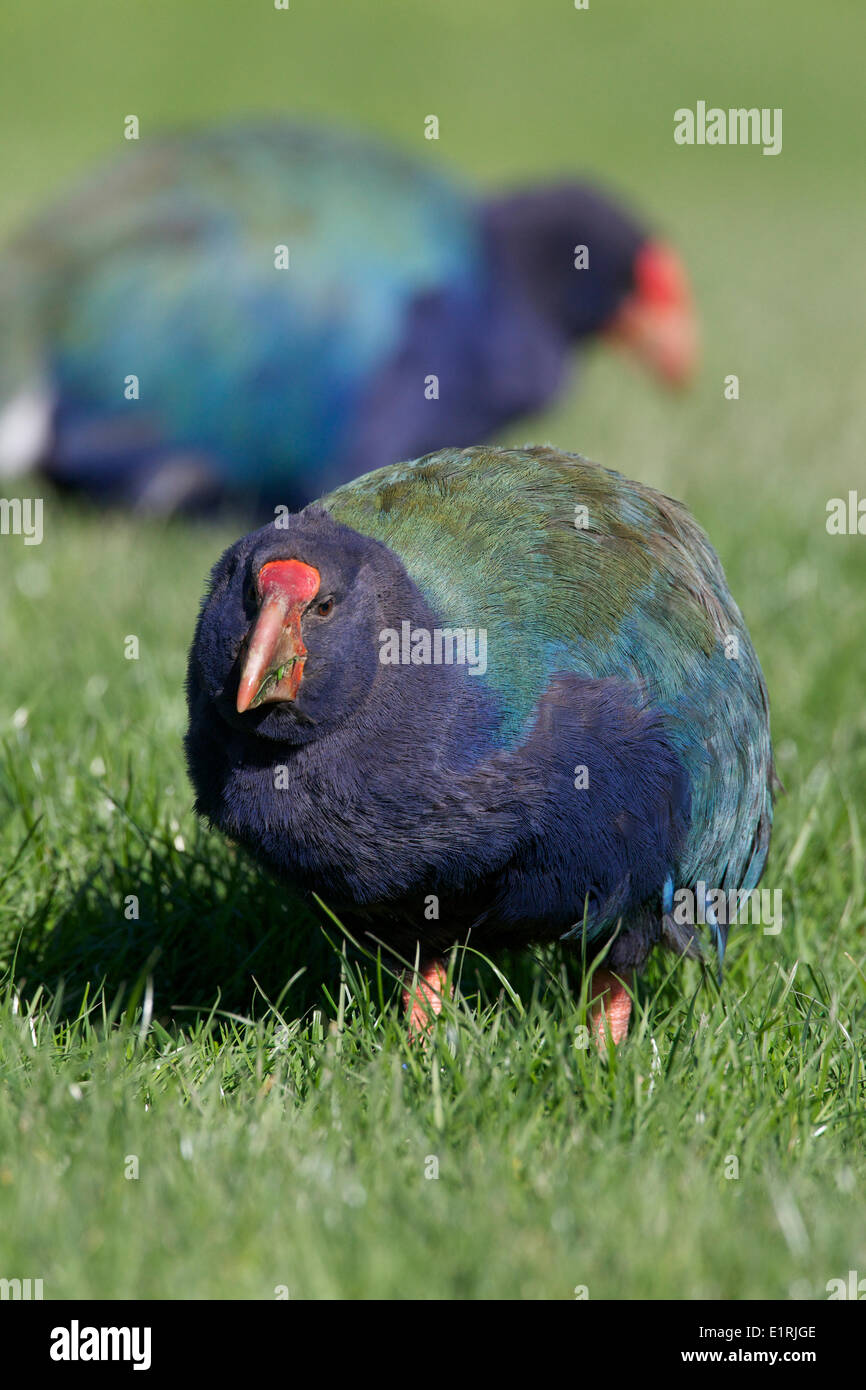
(573, 568)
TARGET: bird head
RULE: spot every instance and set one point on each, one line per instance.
(286, 646)
(593, 270)
(656, 321)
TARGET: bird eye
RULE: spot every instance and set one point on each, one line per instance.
(325, 608)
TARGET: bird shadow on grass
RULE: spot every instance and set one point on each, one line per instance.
(203, 927)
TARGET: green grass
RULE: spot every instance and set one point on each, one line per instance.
(261, 1077)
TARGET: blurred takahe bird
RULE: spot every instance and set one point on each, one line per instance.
(493, 695)
(269, 310)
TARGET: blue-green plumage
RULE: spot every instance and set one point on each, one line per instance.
(165, 266)
(574, 569)
(274, 308)
(610, 751)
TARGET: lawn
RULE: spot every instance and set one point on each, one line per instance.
(203, 1092)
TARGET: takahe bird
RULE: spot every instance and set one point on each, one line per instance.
(272, 309)
(492, 695)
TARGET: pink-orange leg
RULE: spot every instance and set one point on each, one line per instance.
(423, 994)
(611, 1007)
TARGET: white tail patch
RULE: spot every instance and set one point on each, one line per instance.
(25, 432)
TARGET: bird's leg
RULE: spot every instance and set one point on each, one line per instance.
(423, 993)
(610, 1008)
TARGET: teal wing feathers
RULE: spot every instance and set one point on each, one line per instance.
(570, 567)
(175, 243)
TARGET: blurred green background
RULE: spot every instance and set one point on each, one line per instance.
(539, 1160)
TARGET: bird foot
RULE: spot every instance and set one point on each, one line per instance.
(423, 993)
(610, 1009)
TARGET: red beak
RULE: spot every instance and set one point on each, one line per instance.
(274, 664)
(657, 322)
